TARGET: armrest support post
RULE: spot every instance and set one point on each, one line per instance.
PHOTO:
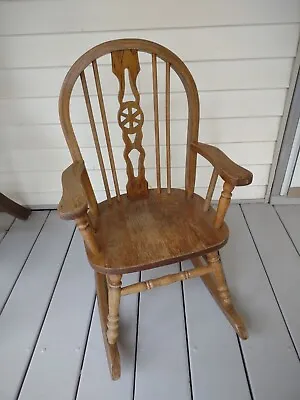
(85, 227)
(210, 190)
(223, 204)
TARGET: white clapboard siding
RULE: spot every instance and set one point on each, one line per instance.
(58, 159)
(70, 16)
(277, 253)
(211, 75)
(214, 130)
(68, 318)
(240, 54)
(155, 373)
(209, 336)
(216, 104)
(51, 180)
(272, 364)
(219, 43)
(25, 309)
(95, 363)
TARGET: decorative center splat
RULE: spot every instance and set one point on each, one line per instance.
(131, 119)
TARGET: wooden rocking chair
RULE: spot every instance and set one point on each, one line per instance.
(145, 228)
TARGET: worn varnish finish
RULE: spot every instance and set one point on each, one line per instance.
(145, 228)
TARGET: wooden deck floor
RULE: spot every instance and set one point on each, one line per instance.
(175, 343)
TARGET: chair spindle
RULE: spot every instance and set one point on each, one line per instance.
(168, 144)
(94, 132)
(156, 121)
(210, 190)
(105, 127)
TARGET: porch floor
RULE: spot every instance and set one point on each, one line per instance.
(175, 343)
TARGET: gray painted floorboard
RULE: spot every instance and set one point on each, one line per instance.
(48, 349)
(271, 361)
(281, 261)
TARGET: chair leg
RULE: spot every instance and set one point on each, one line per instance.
(220, 292)
(112, 352)
(114, 296)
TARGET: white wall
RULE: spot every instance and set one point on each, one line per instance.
(240, 52)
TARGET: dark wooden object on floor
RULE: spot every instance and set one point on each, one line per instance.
(12, 208)
(145, 228)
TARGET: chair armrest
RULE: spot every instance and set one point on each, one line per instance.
(73, 203)
(228, 170)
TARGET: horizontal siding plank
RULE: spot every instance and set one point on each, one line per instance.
(14, 250)
(95, 363)
(161, 321)
(272, 364)
(69, 16)
(278, 253)
(57, 159)
(224, 75)
(257, 41)
(213, 346)
(211, 75)
(51, 180)
(51, 199)
(218, 104)
(62, 339)
(26, 307)
(219, 130)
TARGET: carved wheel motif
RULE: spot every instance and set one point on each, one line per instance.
(130, 117)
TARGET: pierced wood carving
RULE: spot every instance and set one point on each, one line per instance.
(131, 119)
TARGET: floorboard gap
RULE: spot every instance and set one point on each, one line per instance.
(85, 347)
(245, 367)
(46, 312)
(270, 283)
(287, 232)
(28, 255)
(136, 340)
(187, 340)
(7, 230)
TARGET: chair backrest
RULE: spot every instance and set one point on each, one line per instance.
(130, 117)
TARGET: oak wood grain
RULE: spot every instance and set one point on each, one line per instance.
(226, 168)
(159, 230)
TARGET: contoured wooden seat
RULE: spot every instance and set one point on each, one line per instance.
(144, 228)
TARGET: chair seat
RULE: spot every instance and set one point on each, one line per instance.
(159, 230)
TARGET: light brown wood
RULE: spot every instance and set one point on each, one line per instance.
(145, 228)
(131, 119)
(112, 352)
(226, 168)
(155, 231)
(156, 121)
(164, 280)
(228, 309)
(105, 127)
(168, 137)
(210, 190)
(73, 203)
(223, 204)
(94, 133)
(114, 295)
(86, 229)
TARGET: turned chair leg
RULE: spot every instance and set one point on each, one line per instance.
(214, 261)
(112, 353)
(114, 296)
